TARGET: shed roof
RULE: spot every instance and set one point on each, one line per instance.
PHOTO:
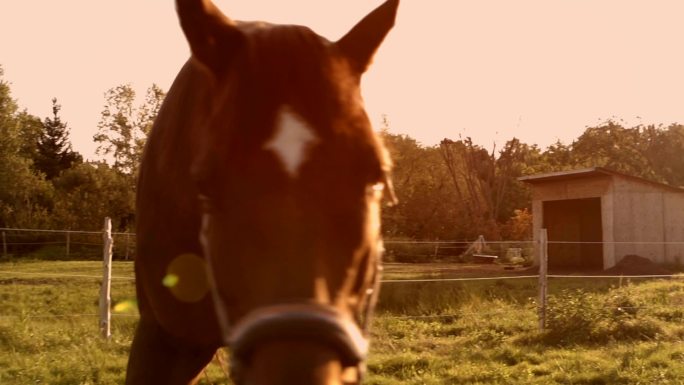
(590, 172)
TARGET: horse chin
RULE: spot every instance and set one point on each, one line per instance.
(292, 362)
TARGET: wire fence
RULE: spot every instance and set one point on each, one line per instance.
(462, 262)
(87, 245)
(5, 274)
(408, 251)
(63, 244)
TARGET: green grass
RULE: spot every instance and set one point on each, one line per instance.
(600, 331)
(496, 341)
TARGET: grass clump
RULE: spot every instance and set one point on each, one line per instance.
(630, 313)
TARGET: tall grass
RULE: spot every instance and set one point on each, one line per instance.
(599, 331)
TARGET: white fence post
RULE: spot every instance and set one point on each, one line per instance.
(543, 268)
(105, 290)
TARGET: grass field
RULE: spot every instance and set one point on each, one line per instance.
(485, 332)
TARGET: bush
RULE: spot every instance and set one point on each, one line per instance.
(570, 316)
(410, 252)
(580, 317)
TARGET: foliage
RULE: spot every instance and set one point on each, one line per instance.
(423, 211)
(651, 152)
(580, 317)
(54, 153)
(519, 226)
(75, 195)
(24, 194)
(88, 192)
(409, 252)
(457, 190)
(123, 128)
(485, 184)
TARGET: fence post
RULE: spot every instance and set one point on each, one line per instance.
(543, 268)
(68, 242)
(127, 243)
(4, 245)
(105, 290)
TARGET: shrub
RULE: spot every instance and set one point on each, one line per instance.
(579, 317)
(409, 252)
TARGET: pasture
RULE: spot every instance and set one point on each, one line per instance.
(600, 331)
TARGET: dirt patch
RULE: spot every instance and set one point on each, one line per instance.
(449, 270)
(637, 265)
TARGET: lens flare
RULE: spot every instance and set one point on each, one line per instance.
(186, 278)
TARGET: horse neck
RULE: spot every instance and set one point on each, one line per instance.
(293, 362)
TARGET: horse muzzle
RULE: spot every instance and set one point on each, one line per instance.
(319, 323)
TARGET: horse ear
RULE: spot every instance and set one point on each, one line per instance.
(213, 37)
(359, 44)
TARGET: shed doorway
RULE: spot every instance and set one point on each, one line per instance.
(574, 220)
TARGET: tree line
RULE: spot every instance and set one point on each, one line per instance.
(455, 190)
(459, 190)
(45, 183)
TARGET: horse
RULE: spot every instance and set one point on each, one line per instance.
(258, 206)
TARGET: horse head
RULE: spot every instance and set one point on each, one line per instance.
(275, 171)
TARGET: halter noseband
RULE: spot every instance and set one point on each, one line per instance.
(347, 335)
(308, 321)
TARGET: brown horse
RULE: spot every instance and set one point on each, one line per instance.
(258, 206)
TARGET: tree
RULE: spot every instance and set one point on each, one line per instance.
(24, 195)
(90, 191)
(123, 128)
(424, 210)
(620, 149)
(31, 129)
(651, 152)
(485, 185)
(519, 226)
(557, 157)
(665, 149)
(54, 153)
(471, 172)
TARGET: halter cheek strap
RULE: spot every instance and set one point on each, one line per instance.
(309, 321)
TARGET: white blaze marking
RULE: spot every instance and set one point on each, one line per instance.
(291, 139)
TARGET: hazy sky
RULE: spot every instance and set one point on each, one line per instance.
(539, 70)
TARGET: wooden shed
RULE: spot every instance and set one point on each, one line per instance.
(601, 215)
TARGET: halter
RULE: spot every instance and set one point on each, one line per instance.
(321, 323)
(315, 322)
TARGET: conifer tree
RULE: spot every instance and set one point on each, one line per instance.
(54, 149)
